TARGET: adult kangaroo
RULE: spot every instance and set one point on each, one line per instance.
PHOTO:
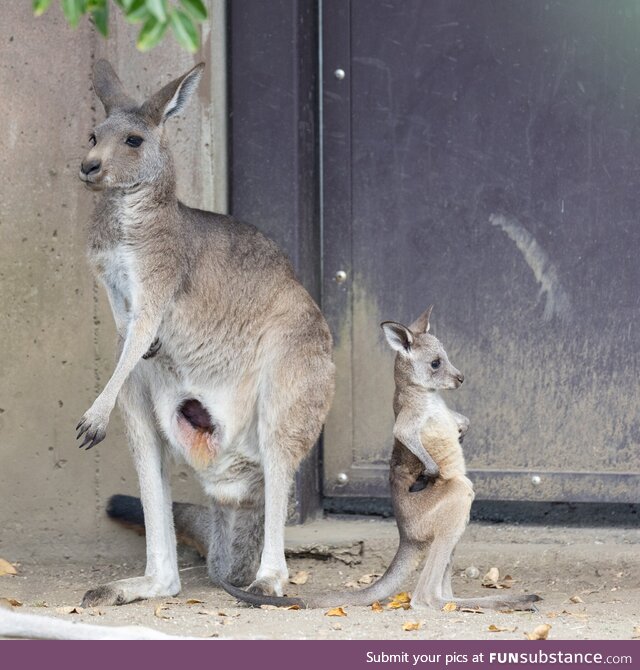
(224, 358)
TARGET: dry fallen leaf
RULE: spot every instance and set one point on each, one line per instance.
(6, 568)
(501, 629)
(269, 607)
(400, 601)
(160, 612)
(10, 602)
(363, 581)
(636, 633)
(194, 601)
(450, 607)
(507, 582)
(472, 610)
(576, 599)
(292, 607)
(301, 577)
(491, 578)
(540, 632)
(412, 625)
(377, 607)
(336, 611)
(336, 626)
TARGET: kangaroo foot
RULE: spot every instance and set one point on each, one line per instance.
(126, 591)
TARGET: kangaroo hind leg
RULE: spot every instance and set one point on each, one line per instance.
(293, 406)
(161, 576)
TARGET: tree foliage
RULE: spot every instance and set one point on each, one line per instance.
(155, 17)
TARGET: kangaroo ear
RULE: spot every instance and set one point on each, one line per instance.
(421, 324)
(398, 336)
(109, 88)
(172, 98)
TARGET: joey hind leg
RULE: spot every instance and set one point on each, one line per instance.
(430, 590)
(161, 576)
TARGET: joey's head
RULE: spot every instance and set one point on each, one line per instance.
(421, 359)
(128, 148)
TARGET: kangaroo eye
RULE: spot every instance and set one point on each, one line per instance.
(435, 364)
(133, 140)
(92, 140)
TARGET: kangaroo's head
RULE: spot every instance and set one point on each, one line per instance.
(128, 147)
(421, 358)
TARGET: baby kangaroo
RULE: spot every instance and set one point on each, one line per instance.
(430, 492)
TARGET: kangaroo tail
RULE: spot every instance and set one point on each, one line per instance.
(401, 567)
(192, 522)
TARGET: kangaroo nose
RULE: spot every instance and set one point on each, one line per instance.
(460, 377)
(89, 168)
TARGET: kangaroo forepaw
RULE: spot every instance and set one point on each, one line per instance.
(93, 426)
(153, 349)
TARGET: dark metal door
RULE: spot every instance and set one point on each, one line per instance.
(485, 157)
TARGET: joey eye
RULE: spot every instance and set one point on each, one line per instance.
(92, 140)
(435, 364)
(133, 140)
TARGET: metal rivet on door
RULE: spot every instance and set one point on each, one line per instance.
(339, 73)
(340, 276)
(342, 478)
(536, 480)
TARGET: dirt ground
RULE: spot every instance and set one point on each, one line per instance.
(598, 567)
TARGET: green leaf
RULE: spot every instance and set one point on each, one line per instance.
(138, 12)
(151, 33)
(184, 30)
(196, 8)
(158, 9)
(73, 10)
(40, 6)
(101, 19)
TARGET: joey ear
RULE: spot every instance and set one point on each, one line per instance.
(421, 324)
(172, 98)
(398, 336)
(109, 88)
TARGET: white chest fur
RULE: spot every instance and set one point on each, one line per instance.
(118, 274)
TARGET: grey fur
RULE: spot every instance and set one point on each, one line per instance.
(238, 334)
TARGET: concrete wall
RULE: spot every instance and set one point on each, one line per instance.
(56, 331)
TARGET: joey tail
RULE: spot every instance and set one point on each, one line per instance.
(403, 564)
